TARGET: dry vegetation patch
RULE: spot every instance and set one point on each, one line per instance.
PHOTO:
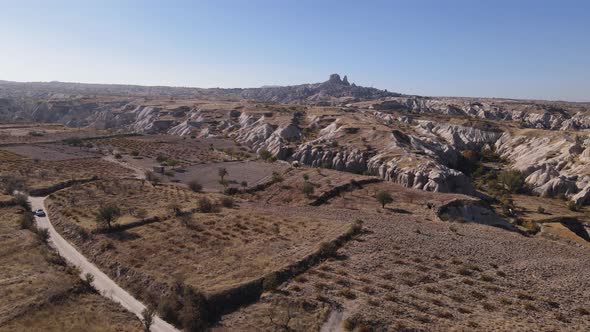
(38, 291)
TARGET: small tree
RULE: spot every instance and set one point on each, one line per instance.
(195, 186)
(244, 184)
(147, 318)
(107, 215)
(222, 173)
(384, 198)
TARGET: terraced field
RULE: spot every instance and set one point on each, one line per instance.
(40, 293)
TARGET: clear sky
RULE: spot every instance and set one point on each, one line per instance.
(498, 48)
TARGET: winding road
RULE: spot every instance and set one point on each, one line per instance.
(106, 286)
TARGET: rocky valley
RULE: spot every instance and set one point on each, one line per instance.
(325, 206)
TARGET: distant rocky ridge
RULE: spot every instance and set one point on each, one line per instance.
(404, 139)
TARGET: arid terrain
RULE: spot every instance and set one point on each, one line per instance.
(316, 207)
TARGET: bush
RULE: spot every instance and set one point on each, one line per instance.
(135, 153)
(205, 205)
(27, 220)
(512, 180)
(541, 210)
(23, 201)
(12, 183)
(270, 283)
(307, 188)
(265, 154)
(276, 177)
(384, 198)
(118, 156)
(328, 249)
(227, 202)
(42, 234)
(231, 191)
(195, 186)
(193, 315)
(161, 158)
(572, 206)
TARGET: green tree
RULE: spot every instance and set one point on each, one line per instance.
(107, 215)
(384, 198)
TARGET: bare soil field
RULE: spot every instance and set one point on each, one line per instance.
(185, 150)
(41, 132)
(40, 293)
(409, 272)
(250, 172)
(51, 151)
(44, 173)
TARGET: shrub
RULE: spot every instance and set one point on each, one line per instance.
(307, 189)
(23, 201)
(42, 234)
(244, 184)
(87, 282)
(227, 202)
(541, 210)
(12, 183)
(118, 156)
(512, 180)
(265, 154)
(175, 208)
(27, 220)
(161, 158)
(135, 153)
(572, 206)
(169, 172)
(195, 186)
(270, 283)
(205, 205)
(384, 198)
(305, 177)
(186, 220)
(194, 315)
(231, 191)
(276, 177)
(328, 249)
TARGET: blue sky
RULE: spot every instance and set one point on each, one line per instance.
(519, 48)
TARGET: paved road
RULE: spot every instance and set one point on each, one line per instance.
(102, 282)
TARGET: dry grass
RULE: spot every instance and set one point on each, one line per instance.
(31, 282)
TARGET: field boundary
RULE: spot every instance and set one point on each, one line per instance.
(327, 195)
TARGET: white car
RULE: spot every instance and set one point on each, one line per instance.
(39, 213)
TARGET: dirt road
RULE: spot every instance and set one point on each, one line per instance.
(102, 282)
